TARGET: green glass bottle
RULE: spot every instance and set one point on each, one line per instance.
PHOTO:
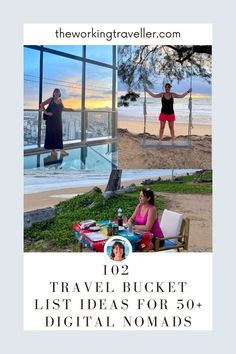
(109, 229)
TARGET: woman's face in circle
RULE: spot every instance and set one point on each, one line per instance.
(142, 198)
(118, 251)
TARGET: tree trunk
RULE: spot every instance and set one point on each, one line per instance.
(114, 182)
(198, 179)
(172, 175)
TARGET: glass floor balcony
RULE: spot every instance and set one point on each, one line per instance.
(98, 157)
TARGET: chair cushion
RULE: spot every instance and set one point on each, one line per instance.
(171, 224)
(169, 243)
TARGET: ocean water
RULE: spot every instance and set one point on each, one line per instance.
(201, 110)
(43, 180)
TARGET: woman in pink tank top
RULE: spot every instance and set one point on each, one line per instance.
(145, 215)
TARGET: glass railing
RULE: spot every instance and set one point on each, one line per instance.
(31, 128)
(98, 125)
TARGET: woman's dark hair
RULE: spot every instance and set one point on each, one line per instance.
(55, 90)
(148, 193)
(120, 245)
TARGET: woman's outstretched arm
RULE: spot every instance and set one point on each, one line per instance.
(156, 95)
(176, 95)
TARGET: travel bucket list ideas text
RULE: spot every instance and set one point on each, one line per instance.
(89, 292)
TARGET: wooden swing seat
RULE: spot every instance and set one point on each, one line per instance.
(151, 143)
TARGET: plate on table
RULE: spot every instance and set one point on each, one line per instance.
(85, 224)
(96, 236)
(94, 228)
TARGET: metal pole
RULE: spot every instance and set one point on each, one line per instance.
(113, 115)
(40, 96)
(83, 93)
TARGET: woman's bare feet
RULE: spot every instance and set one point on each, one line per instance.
(64, 152)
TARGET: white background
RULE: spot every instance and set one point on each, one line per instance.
(190, 34)
(222, 15)
(192, 269)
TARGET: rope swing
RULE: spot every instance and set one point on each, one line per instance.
(190, 119)
(145, 111)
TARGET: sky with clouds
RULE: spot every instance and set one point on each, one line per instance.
(66, 73)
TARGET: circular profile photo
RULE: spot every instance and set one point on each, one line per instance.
(117, 248)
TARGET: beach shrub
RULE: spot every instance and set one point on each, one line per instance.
(187, 188)
(184, 184)
(91, 205)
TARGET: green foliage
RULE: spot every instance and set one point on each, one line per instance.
(140, 66)
(185, 184)
(207, 175)
(185, 188)
(130, 96)
(88, 206)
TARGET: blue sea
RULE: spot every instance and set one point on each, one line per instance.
(45, 180)
(201, 110)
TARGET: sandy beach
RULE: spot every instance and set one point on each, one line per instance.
(198, 208)
(132, 155)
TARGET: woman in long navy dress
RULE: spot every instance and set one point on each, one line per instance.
(54, 134)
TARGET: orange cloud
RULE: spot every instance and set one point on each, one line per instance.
(98, 103)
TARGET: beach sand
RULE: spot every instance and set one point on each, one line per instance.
(197, 207)
(132, 155)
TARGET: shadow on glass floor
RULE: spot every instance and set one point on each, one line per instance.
(102, 157)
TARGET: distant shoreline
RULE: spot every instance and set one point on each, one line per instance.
(136, 127)
(155, 119)
(38, 200)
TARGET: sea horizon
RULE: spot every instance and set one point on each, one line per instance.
(201, 110)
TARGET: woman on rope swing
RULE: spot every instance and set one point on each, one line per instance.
(167, 110)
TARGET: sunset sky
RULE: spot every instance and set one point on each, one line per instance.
(66, 73)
